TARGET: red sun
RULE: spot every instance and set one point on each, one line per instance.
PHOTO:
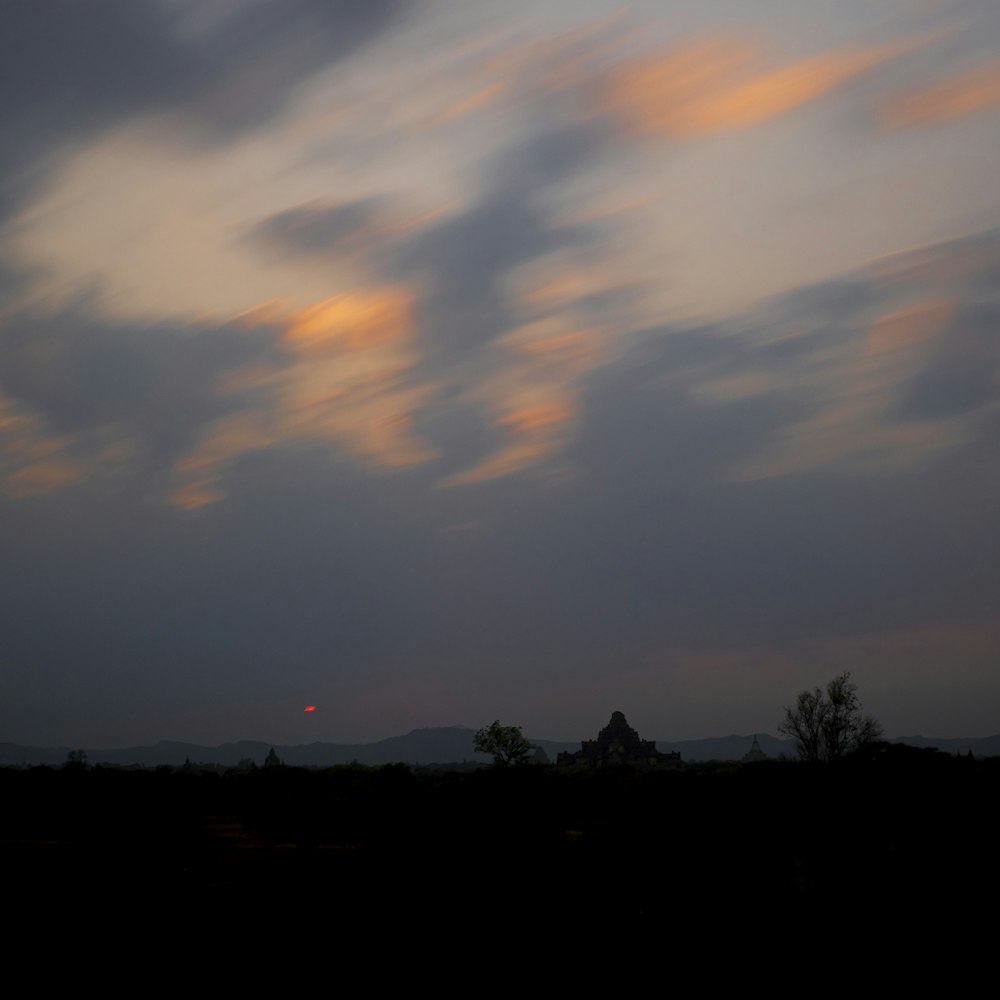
(309, 708)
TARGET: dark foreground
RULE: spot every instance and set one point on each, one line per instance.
(900, 833)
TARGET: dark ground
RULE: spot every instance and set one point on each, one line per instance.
(766, 848)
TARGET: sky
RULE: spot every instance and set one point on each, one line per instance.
(432, 363)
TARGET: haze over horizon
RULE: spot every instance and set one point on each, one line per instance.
(426, 362)
(569, 742)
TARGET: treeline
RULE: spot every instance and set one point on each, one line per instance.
(899, 825)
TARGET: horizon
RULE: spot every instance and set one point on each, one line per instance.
(749, 736)
(417, 361)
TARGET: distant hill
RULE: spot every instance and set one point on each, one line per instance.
(981, 746)
(422, 746)
(441, 745)
(727, 747)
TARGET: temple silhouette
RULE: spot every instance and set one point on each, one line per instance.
(618, 743)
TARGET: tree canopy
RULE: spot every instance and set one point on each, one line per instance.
(506, 743)
(829, 724)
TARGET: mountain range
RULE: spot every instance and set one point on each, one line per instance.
(441, 745)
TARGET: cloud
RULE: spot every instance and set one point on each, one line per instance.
(233, 63)
(343, 377)
(904, 330)
(860, 375)
(474, 324)
(972, 92)
(463, 435)
(352, 322)
(325, 229)
(83, 396)
(892, 390)
(464, 262)
(295, 555)
(32, 462)
(538, 428)
(512, 68)
(888, 369)
(425, 300)
(962, 372)
(74, 69)
(473, 102)
(714, 85)
(151, 226)
(531, 392)
(82, 374)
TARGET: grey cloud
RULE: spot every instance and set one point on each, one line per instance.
(317, 573)
(664, 548)
(81, 373)
(317, 228)
(460, 430)
(551, 156)
(659, 543)
(122, 606)
(255, 59)
(69, 68)
(816, 337)
(72, 64)
(963, 373)
(77, 65)
(464, 259)
(72, 68)
(839, 302)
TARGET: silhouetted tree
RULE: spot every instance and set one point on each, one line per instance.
(506, 743)
(827, 725)
(272, 759)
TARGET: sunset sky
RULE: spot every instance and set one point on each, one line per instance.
(435, 362)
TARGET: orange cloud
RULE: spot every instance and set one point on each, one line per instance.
(40, 478)
(507, 460)
(538, 426)
(556, 346)
(909, 328)
(532, 392)
(660, 92)
(709, 87)
(473, 102)
(345, 382)
(194, 495)
(355, 321)
(533, 418)
(32, 463)
(976, 90)
(559, 62)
